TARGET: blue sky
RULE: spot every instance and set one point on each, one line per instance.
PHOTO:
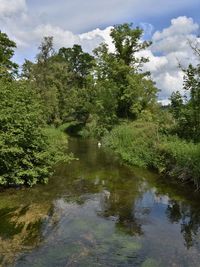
(168, 23)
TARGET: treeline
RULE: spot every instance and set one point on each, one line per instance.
(93, 91)
(104, 95)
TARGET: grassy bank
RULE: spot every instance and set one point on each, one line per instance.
(57, 144)
(141, 144)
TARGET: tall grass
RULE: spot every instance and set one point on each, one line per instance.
(57, 144)
(181, 159)
(135, 143)
(141, 144)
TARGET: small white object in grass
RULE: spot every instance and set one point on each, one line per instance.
(99, 144)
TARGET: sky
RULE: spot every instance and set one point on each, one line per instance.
(169, 24)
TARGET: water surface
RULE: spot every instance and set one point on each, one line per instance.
(96, 211)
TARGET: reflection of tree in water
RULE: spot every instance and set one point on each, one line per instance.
(189, 219)
(20, 229)
(120, 205)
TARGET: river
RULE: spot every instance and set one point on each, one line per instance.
(97, 211)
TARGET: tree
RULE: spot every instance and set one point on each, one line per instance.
(135, 90)
(176, 104)
(127, 41)
(79, 63)
(24, 157)
(187, 113)
(27, 70)
(42, 78)
(192, 85)
(7, 68)
(46, 50)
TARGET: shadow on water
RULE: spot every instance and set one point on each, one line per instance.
(99, 212)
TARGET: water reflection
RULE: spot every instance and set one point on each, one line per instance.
(97, 212)
(188, 218)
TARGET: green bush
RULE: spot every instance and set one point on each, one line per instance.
(25, 154)
(181, 159)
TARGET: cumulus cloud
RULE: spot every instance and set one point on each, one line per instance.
(88, 40)
(179, 26)
(171, 48)
(175, 37)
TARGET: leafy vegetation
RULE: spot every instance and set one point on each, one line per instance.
(93, 90)
(167, 140)
(26, 150)
(103, 95)
(186, 109)
(143, 145)
(135, 143)
(7, 67)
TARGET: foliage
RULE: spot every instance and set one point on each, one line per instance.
(135, 90)
(95, 91)
(60, 81)
(7, 67)
(181, 159)
(102, 107)
(186, 110)
(135, 143)
(57, 144)
(176, 104)
(79, 62)
(25, 157)
(94, 95)
(142, 144)
(127, 42)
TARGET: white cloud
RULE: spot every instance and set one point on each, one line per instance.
(171, 48)
(10, 7)
(175, 37)
(88, 41)
(92, 39)
(179, 26)
(155, 62)
(169, 82)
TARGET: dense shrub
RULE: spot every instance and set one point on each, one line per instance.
(181, 159)
(25, 157)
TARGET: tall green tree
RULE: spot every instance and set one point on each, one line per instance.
(41, 76)
(177, 104)
(80, 63)
(192, 84)
(127, 41)
(135, 89)
(187, 111)
(7, 67)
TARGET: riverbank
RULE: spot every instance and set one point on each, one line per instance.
(142, 145)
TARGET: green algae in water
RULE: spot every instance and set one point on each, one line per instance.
(150, 263)
(8, 228)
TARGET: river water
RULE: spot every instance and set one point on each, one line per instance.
(96, 211)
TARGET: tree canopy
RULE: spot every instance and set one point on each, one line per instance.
(7, 67)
